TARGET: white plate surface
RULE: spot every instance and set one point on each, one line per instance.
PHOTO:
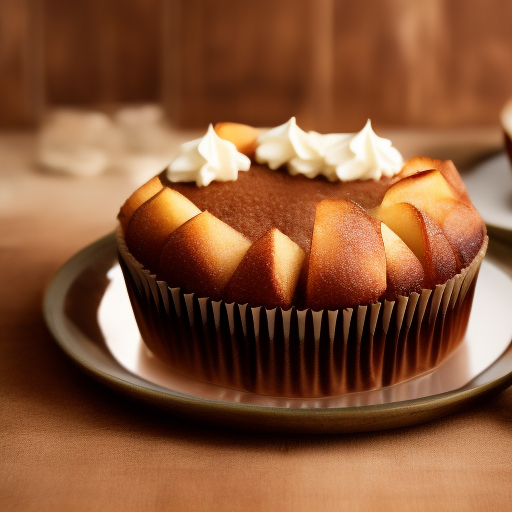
(489, 185)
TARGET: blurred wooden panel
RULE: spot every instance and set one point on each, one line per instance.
(409, 62)
(231, 60)
(332, 63)
(102, 51)
(335, 63)
(21, 89)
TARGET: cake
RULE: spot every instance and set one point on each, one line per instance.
(299, 264)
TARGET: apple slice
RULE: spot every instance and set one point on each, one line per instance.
(141, 195)
(445, 167)
(403, 269)
(421, 190)
(430, 192)
(241, 135)
(463, 227)
(425, 239)
(154, 221)
(202, 255)
(268, 274)
(347, 262)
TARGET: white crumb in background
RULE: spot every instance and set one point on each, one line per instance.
(136, 141)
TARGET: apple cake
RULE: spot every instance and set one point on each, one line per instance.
(297, 264)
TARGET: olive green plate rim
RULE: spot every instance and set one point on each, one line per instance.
(255, 417)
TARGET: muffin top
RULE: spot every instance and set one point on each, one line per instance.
(282, 218)
(262, 198)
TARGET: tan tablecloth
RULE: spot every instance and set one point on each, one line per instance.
(67, 443)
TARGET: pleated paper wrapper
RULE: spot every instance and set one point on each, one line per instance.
(299, 353)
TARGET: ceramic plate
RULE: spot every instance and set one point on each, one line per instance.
(88, 312)
(490, 187)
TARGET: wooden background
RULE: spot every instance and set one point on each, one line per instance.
(333, 63)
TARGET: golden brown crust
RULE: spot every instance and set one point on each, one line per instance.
(268, 273)
(151, 224)
(201, 255)
(347, 262)
(140, 196)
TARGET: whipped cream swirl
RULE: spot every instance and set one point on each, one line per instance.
(206, 159)
(362, 156)
(337, 156)
(288, 144)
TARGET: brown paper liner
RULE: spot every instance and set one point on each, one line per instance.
(299, 353)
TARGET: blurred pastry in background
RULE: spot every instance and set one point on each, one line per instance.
(134, 141)
(506, 123)
(76, 142)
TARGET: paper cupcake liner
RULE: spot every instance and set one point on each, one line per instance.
(299, 353)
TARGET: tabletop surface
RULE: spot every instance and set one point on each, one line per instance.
(68, 443)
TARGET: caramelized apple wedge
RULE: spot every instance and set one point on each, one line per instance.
(445, 167)
(347, 262)
(421, 190)
(241, 135)
(154, 221)
(268, 274)
(463, 227)
(141, 195)
(430, 192)
(202, 255)
(404, 272)
(425, 239)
